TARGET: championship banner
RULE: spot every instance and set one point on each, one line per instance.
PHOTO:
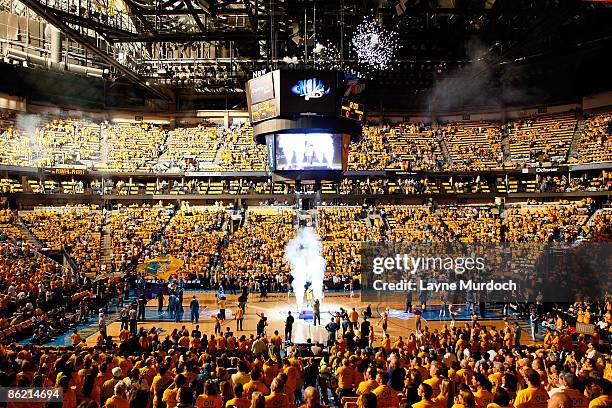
(160, 268)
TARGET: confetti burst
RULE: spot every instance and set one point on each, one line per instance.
(374, 45)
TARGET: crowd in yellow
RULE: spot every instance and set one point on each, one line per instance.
(596, 143)
(257, 248)
(472, 366)
(193, 235)
(543, 223)
(132, 229)
(150, 147)
(473, 146)
(343, 230)
(76, 229)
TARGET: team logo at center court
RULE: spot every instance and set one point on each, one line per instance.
(312, 88)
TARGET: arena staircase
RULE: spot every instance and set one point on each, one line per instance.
(375, 216)
(572, 153)
(445, 151)
(386, 223)
(27, 234)
(506, 147)
(162, 230)
(104, 145)
(106, 258)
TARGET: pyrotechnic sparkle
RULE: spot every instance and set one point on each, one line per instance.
(374, 45)
(326, 56)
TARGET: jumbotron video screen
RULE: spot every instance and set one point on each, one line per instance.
(308, 151)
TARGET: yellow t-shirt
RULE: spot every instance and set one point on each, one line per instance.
(366, 386)
(345, 377)
(275, 400)
(578, 398)
(238, 403)
(254, 386)
(483, 398)
(117, 402)
(434, 383)
(441, 401)
(209, 401)
(169, 397)
(531, 398)
(602, 401)
(425, 404)
(386, 397)
(494, 405)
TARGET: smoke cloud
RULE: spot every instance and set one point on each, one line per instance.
(303, 254)
(481, 84)
(27, 125)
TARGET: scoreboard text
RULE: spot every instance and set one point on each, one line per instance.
(352, 110)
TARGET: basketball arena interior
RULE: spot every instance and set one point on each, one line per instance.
(305, 203)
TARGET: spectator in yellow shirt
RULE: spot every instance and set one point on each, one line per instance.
(119, 399)
(346, 377)
(254, 385)
(483, 394)
(353, 318)
(386, 396)
(170, 394)
(238, 401)
(277, 398)
(75, 338)
(533, 396)
(210, 398)
(434, 380)
(425, 392)
(369, 384)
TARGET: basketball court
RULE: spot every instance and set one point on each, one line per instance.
(276, 307)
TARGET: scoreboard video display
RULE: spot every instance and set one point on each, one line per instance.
(262, 98)
(352, 110)
(308, 91)
(305, 121)
(261, 88)
(264, 110)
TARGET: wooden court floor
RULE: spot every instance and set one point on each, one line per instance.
(275, 308)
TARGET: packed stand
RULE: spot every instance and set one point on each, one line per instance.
(39, 299)
(541, 138)
(412, 223)
(560, 222)
(192, 148)
(469, 366)
(596, 142)
(473, 146)
(78, 141)
(238, 150)
(133, 229)
(76, 229)
(194, 235)
(599, 229)
(343, 230)
(254, 252)
(407, 146)
(131, 147)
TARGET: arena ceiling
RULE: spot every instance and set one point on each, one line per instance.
(199, 53)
